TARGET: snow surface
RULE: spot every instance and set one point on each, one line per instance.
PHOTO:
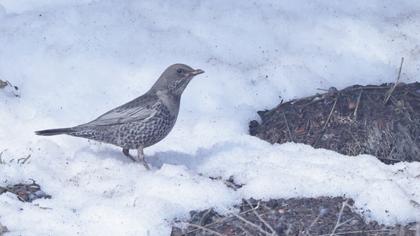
(74, 60)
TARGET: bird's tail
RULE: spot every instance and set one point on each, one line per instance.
(49, 132)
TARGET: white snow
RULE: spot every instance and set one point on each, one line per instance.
(74, 60)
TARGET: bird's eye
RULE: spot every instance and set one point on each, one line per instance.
(180, 70)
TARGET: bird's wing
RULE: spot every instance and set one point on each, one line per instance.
(139, 109)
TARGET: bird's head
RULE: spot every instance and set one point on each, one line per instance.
(176, 78)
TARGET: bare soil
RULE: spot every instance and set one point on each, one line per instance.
(381, 120)
(25, 192)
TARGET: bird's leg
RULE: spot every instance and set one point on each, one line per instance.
(127, 154)
(140, 157)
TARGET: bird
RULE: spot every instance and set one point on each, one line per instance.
(142, 122)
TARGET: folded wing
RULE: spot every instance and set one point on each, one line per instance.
(139, 109)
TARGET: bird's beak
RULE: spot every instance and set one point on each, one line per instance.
(196, 72)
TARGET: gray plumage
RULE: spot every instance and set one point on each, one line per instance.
(141, 122)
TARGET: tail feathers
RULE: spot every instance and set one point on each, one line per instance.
(49, 132)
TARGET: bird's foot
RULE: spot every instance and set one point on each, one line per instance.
(145, 165)
(127, 154)
(139, 158)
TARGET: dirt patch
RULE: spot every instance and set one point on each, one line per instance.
(295, 216)
(25, 192)
(383, 121)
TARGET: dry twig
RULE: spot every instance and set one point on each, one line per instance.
(389, 92)
(266, 224)
(288, 128)
(219, 221)
(359, 232)
(23, 160)
(199, 227)
(247, 222)
(357, 104)
(340, 214)
(326, 122)
(312, 224)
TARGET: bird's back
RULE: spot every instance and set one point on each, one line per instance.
(138, 109)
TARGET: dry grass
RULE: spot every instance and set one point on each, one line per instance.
(310, 216)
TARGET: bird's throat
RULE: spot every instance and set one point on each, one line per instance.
(171, 101)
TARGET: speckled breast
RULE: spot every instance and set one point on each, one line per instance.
(145, 132)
